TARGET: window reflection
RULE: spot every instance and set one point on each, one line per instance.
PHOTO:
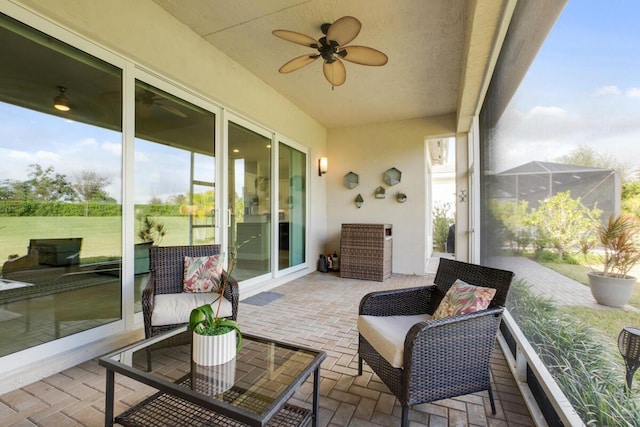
(174, 176)
(60, 190)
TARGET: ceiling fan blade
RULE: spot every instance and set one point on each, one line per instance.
(335, 72)
(297, 63)
(172, 110)
(294, 37)
(363, 55)
(344, 30)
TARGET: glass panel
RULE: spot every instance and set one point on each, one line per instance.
(60, 189)
(556, 157)
(175, 173)
(253, 382)
(292, 207)
(250, 201)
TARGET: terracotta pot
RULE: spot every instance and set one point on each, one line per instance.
(211, 350)
(611, 291)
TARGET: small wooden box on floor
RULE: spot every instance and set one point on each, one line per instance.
(365, 251)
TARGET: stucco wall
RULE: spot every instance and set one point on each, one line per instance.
(369, 151)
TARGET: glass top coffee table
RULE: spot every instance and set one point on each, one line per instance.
(251, 389)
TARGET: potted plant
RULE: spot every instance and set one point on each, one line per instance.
(613, 285)
(150, 233)
(216, 340)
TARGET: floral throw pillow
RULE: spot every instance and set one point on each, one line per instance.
(202, 274)
(462, 298)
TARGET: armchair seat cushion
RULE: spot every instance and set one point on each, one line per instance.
(387, 333)
(171, 309)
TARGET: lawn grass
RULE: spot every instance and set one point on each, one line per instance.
(101, 236)
(609, 321)
(576, 272)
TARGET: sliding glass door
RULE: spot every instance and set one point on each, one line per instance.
(249, 198)
(175, 175)
(60, 190)
(292, 206)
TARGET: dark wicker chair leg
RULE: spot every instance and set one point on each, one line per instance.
(405, 416)
(359, 365)
(493, 404)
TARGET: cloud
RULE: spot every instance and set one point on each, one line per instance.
(607, 90)
(141, 157)
(112, 147)
(88, 142)
(21, 155)
(47, 155)
(547, 111)
(634, 92)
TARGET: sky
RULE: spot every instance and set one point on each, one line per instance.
(583, 88)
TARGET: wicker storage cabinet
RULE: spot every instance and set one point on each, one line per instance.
(365, 251)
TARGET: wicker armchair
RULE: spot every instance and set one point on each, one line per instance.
(166, 269)
(442, 358)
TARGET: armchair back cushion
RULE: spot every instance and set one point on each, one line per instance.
(202, 273)
(463, 298)
(167, 262)
(449, 271)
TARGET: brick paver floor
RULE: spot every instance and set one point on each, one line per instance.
(319, 311)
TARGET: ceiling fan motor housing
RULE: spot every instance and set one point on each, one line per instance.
(327, 49)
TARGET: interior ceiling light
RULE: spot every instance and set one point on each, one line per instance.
(61, 102)
(332, 48)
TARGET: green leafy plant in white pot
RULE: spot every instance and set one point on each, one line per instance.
(618, 237)
(216, 340)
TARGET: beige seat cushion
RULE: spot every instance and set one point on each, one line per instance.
(170, 309)
(386, 334)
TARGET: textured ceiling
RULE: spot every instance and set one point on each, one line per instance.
(424, 40)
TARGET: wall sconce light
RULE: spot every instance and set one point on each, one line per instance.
(61, 102)
(322, 166)
(359, 201)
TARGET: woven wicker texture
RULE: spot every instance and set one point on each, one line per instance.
(366, 251)
(166, 268)
(442, 358)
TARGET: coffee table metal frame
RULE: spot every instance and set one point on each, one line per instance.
(173, 391)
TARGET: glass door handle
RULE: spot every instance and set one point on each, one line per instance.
(216, 218)
(228, 217)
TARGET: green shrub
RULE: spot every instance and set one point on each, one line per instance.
(582, 365)
(442, 220)
(547, 256)
(13, 208)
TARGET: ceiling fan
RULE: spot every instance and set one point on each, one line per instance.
(147, 100)
(332, 48)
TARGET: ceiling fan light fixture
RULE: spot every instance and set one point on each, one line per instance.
(61, 102)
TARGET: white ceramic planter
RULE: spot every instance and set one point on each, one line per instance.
(611, 291)
(211, 350)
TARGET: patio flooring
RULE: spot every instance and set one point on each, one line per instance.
(319, 311)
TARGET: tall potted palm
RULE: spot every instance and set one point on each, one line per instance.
(613, 285)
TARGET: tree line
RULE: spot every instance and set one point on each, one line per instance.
(47, 185)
